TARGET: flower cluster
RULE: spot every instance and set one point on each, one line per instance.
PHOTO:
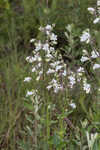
(85, 37)
(95, 12)
(44, 55)
(46, 62)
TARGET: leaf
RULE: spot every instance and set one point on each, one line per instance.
(28, 106)
(81, 100)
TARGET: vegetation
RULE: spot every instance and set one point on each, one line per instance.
(49, 75)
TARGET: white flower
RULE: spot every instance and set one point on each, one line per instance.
(55, 63)
(91, 138)
(84, 58)
(58, 68)
(39, 65)
(27, 79)
(85, 52)
(98, 3)
(96, 66)
(64, 73)
(29, 93)
(80, 69)
(33, 69)
(46, 47)
(53, 81)
(32, 40)
(57, 88)
(53, 84)
(91, 10)
(49, 87)
(94, 54)
(71, 80)
(86, 86)
(30, 59)
(97, 20)
(73, 105)
(38, 78)
(49, 56)
(38, 46)
(52, 49)
(50, 71)
(85, 37)
(41, 28)
(48, 27)
(53, 37)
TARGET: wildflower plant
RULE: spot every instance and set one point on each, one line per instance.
(54, 79)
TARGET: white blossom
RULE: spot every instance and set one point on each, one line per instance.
(96, 66)
(64, 73)
(91, 10)
(58, 68)
(49, 56)
(94, 54)
(72, 80)
(46, 47)
(33, 69)
(73, 105)
(85, 37)
(53, 37)
(97, 20)
(86, 86)
(80, 69)
(55, 63)
(49, 87)
(30, 59)
(48, 27)
(38, 46)
(32, 40)
(29, 93)
(85, 52)
(52, 49)
(50, 71)
(27, 79)
(84, 58)
(57, 88)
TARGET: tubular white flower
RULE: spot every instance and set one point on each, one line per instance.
(64, 73)
(91, 10)
(96, 66)
(27, 79)
(84, 58)
(50, 71)
(33, 69)
(53, 37)
(38, 46)
(73, 105)
(48, 27)
(32, 40)
(29, 93)
(30, 59)
(72, 80)
(86, 86)
(58, 68)
(85, 37)
(97, 20)
(94, 54)
(46, 47)
(80, 69)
